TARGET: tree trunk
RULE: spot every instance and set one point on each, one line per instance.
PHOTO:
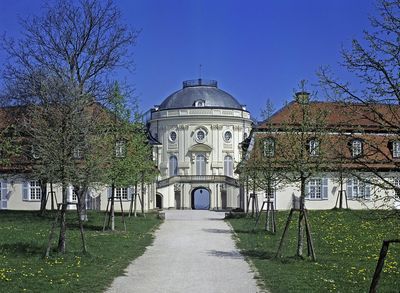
(43, 197)
(112, 213)
(142, 194)
(52, 196)
(135, 203)
(63, 221)
(81, 192)
(300, 228)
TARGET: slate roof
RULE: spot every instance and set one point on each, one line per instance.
(194, 90)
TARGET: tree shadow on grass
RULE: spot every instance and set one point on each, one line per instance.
(247, 231)
(23, 248)
(271, 255)
(86, 227)
(259, 254)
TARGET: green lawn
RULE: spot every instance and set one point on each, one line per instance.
(23, 240)
(347, 247)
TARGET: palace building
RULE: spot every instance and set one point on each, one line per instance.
(199, 129)
(202, 136)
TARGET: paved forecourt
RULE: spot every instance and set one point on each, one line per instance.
(193, 251)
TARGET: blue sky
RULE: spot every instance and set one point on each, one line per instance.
(255, 49)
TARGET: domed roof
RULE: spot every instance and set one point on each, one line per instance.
(200, 93)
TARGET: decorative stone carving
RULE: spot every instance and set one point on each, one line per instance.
(177, 187)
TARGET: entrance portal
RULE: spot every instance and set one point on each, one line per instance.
(159, 201)
(201, 199)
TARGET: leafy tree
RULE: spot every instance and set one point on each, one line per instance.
(128, 153)
(260, 166)
(58, 68)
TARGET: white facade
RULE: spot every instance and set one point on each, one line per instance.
(21, 193)
(199, 133)
(323, 192)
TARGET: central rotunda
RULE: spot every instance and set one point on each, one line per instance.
(199, 129)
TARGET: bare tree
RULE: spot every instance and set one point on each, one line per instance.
(375, 98)
(301, 153)
(59, 68)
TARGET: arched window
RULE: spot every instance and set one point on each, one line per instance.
(228, 166)
(173, 166)
(200, 165)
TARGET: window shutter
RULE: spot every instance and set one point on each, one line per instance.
(367, 191)
(109, 192)
(325, 188)
(69, 193)
(129, 193)
(4, 194)
(349, 189)
(25, 190)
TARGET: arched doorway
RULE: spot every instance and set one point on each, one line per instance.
(201, 199)
(159, 201)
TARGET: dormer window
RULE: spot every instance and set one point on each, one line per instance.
(356, 148)
(120, 149)
(269, 147)
(34, 152)
(313, 147)
(396, 149)
(77, 153)
(199, 103)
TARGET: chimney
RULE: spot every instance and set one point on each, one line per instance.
(302, 97)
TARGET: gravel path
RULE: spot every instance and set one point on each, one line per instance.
(193, 251)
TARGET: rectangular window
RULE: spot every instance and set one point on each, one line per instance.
(357, 189)
(396, 149)
(314, 147)
(3, 195)
(121, 193)
(396, 183)
(317, 189)
(356, 148)
(269, 147)
(74, 196)
(35, 191)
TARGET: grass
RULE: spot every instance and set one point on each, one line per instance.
(23, 240)
(347, 247)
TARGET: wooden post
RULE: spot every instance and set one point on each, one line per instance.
(106, 216)
(379, 266)
(122, 212)
(310, 244)
(135, 202)
(259, 216)
(60, 213)
(289, 219)
(53, 226)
